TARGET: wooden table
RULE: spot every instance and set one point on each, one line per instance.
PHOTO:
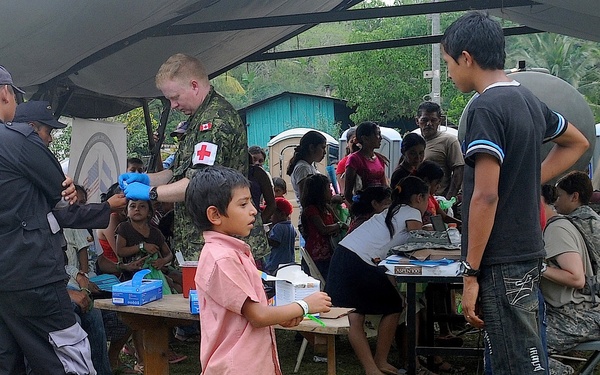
(155, 319)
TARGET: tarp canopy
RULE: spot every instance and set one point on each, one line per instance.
(109, 47)
(99, 58)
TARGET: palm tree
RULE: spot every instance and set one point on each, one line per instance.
(574, 60)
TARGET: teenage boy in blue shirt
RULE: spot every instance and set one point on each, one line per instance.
(502, 241)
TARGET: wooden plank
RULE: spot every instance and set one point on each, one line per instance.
(176, 307)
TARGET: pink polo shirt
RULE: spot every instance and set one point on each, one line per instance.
(225, 278)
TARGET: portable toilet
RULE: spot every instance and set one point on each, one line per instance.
(281, 150)
(390, 148)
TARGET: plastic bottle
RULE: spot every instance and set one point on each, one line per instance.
(453, 234)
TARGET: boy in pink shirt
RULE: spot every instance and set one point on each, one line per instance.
(236, 332)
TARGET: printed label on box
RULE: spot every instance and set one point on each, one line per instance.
(408, 270)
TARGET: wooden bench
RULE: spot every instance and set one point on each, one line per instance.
(155, 319)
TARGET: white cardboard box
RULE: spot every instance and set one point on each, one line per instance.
(291, 284)
(398, 265)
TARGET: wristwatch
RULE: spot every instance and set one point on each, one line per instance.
(467, 270)
(153, 194)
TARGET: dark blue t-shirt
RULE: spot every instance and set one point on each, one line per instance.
(508, 122)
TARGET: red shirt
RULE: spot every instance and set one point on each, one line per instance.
(317, 245)
(432, 209)
(371, 172)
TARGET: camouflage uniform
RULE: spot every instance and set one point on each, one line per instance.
(572, 324)
(258, 240)
(227, 131)
(587, 222)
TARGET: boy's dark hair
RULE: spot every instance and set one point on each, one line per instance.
(429, 107)
(406, 188)
(429, 171)
(361, 202)
(134, 161)
(257, 150)
(279, 182)
(577, 181)
(478, 34)
(112, 190)
(549, 193)
(211, 186)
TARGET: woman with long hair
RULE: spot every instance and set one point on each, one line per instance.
(310, 150)
(365, 163)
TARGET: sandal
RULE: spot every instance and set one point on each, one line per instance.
(400, 371)
(176, 357)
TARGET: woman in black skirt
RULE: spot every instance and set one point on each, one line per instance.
(355, 280)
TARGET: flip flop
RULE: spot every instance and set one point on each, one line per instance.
(400, 371)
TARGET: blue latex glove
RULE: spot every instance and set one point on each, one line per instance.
(128, 178)
(137, 191)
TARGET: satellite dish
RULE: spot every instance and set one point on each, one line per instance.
(559, 96)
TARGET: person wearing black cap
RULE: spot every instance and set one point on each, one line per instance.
(37, 323)
(8, 101)
(39, 116)
(177, 135)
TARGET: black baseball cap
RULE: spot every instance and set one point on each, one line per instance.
(39, 111)
(6, 79)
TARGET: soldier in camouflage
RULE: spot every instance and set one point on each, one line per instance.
(215, 136)
(572, 313)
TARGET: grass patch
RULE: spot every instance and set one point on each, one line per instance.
(347, 364)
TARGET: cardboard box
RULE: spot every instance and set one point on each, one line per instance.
(291, 284)
(194, 304)
(397, 265)
(188, 271)
(137, 291)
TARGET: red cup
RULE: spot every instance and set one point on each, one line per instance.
(188, 270)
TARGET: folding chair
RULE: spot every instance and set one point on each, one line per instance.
(592, 362)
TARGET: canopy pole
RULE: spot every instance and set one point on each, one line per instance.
(155, 146)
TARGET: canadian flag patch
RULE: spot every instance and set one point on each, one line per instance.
(205, 153)
(205, 127)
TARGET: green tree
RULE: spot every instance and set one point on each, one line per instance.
(309, 75)
(61, 142)
(574, 60)
(387, 84)
(137, 136)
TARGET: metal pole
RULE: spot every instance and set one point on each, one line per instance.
(435, 59)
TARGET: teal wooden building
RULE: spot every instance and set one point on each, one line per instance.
(271, 116)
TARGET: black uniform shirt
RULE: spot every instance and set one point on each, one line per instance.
(30, 186)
